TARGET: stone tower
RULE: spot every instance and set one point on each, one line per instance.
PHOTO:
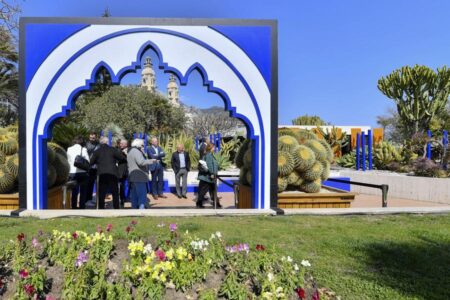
(172, 91)
(148, 78)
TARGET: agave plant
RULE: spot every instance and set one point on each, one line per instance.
(64, 132)
(336, 139)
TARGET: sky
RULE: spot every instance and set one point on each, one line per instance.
(331, 52)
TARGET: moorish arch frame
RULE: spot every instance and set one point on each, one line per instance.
(59, 57)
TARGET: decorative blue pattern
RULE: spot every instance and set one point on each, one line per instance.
(134, 66)
(36, 50)
(255, 41)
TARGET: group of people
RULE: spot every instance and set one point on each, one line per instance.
(112, 167)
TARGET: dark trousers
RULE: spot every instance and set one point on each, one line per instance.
(158, 181)
(80, 188)
(203, 188)
(91, 182)
(108, 182)
(122, 193)
(182, 174)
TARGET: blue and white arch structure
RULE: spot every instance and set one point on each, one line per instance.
(60, 57)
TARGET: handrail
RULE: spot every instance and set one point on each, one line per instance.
(384, 187)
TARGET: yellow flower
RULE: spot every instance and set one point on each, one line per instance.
(169, 254)
(162, 277)
(181, 253)
(136, 247)
(189, 257)
(155, 275)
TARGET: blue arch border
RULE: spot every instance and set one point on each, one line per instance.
(166, 68)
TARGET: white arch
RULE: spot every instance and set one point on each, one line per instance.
(120, 51)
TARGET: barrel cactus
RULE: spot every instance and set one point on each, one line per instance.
(282, 184)
(311, 186)
(285, 163)
(314, 172)
(304, 135)
(58, 166)
(287, 143)
(304, 158)
(239, 159)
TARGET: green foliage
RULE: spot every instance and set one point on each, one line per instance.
(348, 160)
(222, 161)
(57, 149)
(133, 109)
(239, 158)
(309, 120)
(419, 93)
(170, 146)
(64, 132)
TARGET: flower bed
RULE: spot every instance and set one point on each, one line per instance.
(168, 265)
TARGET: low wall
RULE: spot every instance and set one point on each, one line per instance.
(402, 186)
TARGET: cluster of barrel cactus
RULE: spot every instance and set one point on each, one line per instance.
(386, 153)
(58, 167)
(303, 161)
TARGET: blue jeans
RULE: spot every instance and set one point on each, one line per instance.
(138, 194)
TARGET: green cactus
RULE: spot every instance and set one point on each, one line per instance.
(287, 143)
(385, 153)
(286, 131)
(311, 186)
(282, 184)
(58, 149)
(50, 155)
(347, 161)
(294, 178)
(248, 158)
(242, 176)
(2, 158)
(12, 164)
(51, 176)
(319, 150)
(304, 158)
(3, 131)
(8, 145)
(326, 170)
(285, 163)
(304, 135)
(329, 151)
(7, 181)
(314, 172)
(248, 177)
(12, 128)
(62, 169)
(239, 159)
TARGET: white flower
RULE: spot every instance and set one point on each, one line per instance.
(187, 232)
(283, 258)
(289, 259)
(305, 263)
(270, 276)
(218, 234)
(296, 267)
(148, 249)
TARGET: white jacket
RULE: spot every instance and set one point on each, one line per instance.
(72, 152)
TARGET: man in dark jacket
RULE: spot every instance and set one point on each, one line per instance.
(123, 170)
(92, 145)
(181, 164)
(157, 169)
(106, 159)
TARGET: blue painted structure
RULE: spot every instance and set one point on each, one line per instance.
(338, 185)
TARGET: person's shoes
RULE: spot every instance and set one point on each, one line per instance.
(155, 197)
(142, 206)
(91, 203)
(219, 205)
(200, 205)
(184, 196)
(179, 197)
(162, 196)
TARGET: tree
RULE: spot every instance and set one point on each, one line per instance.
(133, 109)
(419, 93)
(393, 128)
(309, 120)
(212, 120)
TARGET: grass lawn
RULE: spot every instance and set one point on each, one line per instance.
(358, 257)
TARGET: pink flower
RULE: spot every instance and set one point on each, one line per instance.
(82, 258)
(316, 296)
(109, 227)
(128, 229)
(173, 227)
(49, 297)
(20, 237)
(23, 273)
(300, 293)
(29, 289)
(99, 229)
(35, 243)
(75, 235)
(133, 222)
(260, 248)
(160, 254)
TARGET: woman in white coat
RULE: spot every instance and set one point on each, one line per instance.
(76, 174)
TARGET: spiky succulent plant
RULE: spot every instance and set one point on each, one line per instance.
(304, 135)
(285, 163)
(319, 150)
(12, 164)
(282, 184)
(287, 143)
(314, 172)
(311, 186)
(8, 145)
(239, 159)
(6, 181)
(248, 158)
(303, 157)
